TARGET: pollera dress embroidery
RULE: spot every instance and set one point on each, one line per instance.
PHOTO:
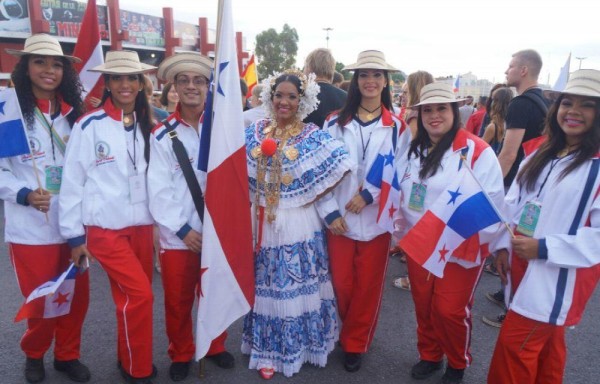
(294, 318)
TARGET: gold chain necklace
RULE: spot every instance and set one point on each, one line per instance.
(272, 187)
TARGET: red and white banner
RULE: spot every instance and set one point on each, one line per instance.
(89, 50)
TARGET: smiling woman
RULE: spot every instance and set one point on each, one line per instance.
(48, 91)
(104, 213)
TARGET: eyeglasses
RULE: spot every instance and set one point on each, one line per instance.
(128, 77)
(198, 81)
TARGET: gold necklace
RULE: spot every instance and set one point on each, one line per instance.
(127, 119)
(370, 113)
(271, 187)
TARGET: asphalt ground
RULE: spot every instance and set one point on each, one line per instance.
(392, 354)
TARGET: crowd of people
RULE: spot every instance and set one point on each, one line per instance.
(95, 185)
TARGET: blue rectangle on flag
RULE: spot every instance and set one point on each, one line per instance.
(473, 215)
(13, 141)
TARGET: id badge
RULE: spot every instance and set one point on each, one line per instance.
(53, 178)
(417, 197)
(360, 174)
(137, 189)
(529, 218)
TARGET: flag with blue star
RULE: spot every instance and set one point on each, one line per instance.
(382, 181)
(13, 139)
(453, 225)
(227, 282)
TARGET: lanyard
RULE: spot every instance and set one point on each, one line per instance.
(552, 165)
(54, 138)
(362, 139)
(134, 157)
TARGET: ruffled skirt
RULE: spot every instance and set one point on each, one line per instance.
(294, 318)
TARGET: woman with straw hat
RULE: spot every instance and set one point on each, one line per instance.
(554, 209)
(358, 247)
(48, 92)
(443, 304)
(104, 211)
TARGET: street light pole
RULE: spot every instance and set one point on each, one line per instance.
(327, 29)
(580, 60)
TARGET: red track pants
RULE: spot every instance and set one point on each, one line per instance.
(443, 310)
(126, 256)
(528, 352)
(358, 274)
(180, 271)
(35, 265)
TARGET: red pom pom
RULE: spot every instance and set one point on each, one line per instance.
(268, 147)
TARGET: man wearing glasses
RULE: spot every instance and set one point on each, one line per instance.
(173, 208)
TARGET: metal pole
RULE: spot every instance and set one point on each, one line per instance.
(580, 60)
(327, 29)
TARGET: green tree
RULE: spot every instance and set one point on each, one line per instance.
(276, 51)
(339, 66)
(398, 77)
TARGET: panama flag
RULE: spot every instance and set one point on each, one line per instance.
(227, 268)
(452, 225)
(58, 294)
(13, 139)
(456, 87)
(249, 75)
(89, 49)
(382, 175)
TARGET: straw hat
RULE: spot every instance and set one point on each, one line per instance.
(43, 45)
(371, 60)
(184, 62)
(122, 63)
(437, 93)
(583, 82)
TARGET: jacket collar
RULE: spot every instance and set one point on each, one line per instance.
(44, 106)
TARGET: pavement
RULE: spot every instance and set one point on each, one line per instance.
(392, 354)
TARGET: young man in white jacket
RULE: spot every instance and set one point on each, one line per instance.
(173, 208)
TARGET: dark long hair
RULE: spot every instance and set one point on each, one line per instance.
(164, 96)
(69, 90)
(354, 98)
(431, 163)
(589, 147)
(143, 112)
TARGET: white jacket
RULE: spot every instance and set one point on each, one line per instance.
(171, 202)
(95, 189)
(557, 286)
(362, 227)
(484, 163)
(24, 224)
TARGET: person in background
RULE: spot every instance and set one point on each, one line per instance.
(494, 132)
(473, 125)
(338, 79)
(524, 122)
(172, 207)
(345, 85)
(443, 305)
(103, 207)
(358, 246)
(322, 64)
(169, 98)
(414, 83)
(48, 91)
(257, 111)
(158, 114)
(466, 110)
(553, 207)
(244, 89)
(294, 319)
